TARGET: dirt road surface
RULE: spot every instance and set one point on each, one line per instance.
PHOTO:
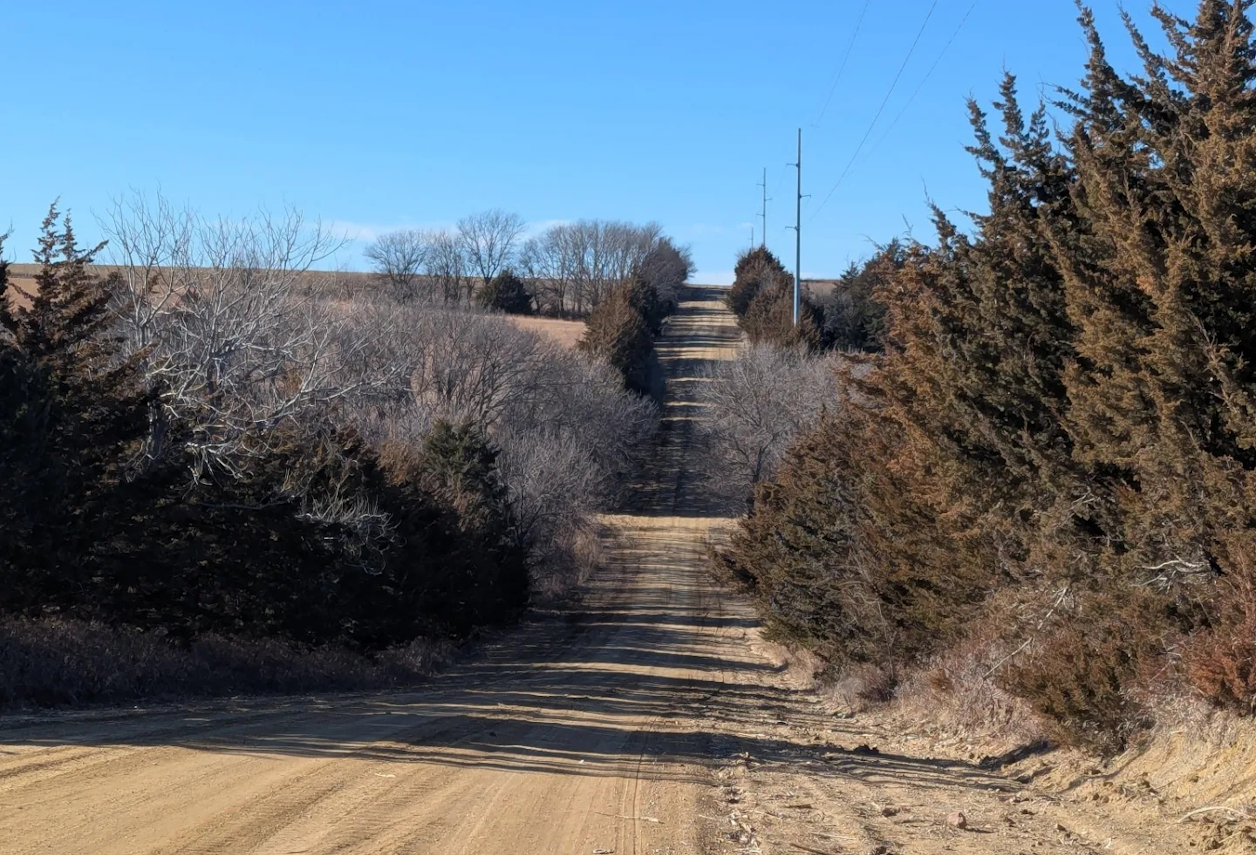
(651, 721)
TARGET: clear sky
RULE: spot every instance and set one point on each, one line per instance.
(376, 115)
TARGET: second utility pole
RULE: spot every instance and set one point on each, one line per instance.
(798, 235)
(764, 215)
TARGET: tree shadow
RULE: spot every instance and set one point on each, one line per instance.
(654, 678)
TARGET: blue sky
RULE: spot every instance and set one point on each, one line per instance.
(376, 115)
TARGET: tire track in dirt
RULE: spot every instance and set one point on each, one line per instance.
(654, 722)
(551, 741)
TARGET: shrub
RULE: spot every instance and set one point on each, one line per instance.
(1080, 673)
(58, 662)
(507, 293)
(1220, 660)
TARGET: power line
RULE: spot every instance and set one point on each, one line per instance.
(928, 74)
(894, 85)
(781, 180)
(841, 66)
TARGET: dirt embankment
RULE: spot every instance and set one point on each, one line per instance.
(653, 721)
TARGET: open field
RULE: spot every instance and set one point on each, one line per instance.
(566, 333)
(654, 719)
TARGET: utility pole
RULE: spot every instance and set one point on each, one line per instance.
(797, 227)
(764, 215)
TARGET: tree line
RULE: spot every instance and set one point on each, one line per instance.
(200, 448)
(565, 271)
(1051, 459)
(847, 317)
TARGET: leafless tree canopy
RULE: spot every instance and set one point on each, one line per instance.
(489, 240)
(400, 258)
(237, 342)
(426, 265)
(754, 406)
(572, 266)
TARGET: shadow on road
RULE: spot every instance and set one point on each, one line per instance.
(653, 678)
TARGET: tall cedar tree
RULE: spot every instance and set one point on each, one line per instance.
(754, 270)
(72, 415)
(1067, 403)
(1162, 283)
(619, 333)
(934, 486)
(980, 338)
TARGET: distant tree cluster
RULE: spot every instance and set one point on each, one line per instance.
(196, 444)
(627, 314)
(847, 317)
(852, 318)
(620, 332)
(564, 272)
(762, 298)
(573, 266)
(1054, 453)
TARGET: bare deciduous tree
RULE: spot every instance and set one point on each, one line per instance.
(398, 258)
(448, 267)
(236, 342)
(489, 240)
(572, 266)
(754, 406)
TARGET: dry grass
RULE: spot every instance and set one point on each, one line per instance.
(566, 333)
(958, 696)
(334, 283)
(53, 663)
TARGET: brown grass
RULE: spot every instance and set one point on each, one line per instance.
(54, 662)
(566, 333)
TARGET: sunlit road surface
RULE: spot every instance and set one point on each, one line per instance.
(574, 734)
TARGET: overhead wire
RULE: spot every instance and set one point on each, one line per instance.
(837, 76)
(925, 79)
(880, 110)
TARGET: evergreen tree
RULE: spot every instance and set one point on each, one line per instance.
(770, 317)
(843, 555)
(980, 340)
(460, 470)
(754, 271)
(1161, 280)
(617, 333)
(853, 317)
(507, 293)
(72, 416)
